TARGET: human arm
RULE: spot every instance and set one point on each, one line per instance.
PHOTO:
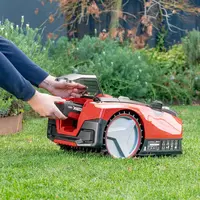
(25, 66)
(18, 72)
(12, 81)
(36, 75)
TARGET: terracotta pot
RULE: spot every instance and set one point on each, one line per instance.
(9, 125)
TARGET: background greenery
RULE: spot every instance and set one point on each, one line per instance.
(171, 76)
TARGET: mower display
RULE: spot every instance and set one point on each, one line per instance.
(119, 126)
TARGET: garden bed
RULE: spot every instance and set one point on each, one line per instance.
(9, 125)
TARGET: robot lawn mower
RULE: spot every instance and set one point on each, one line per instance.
(119, 126)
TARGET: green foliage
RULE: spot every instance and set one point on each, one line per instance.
(120, 71)
(149, 74)
(9, 105)
(28, 40)
(160, 45)
(5, 103)
(143, 75)
(191, 47)
(60, 56)
(173, 80)
(172, 60)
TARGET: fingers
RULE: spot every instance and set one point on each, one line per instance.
(75, 85)
(51, 116)
(44, 105)
(79, 91)
(56, 114)
(59, 100)
(75, 95)
(59, 115)
(66, 85)
(80, 86)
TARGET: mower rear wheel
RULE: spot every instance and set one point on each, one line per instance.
(123, 135)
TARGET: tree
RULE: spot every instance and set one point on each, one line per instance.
(153, 14)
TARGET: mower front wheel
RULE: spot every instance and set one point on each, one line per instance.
(123, 135)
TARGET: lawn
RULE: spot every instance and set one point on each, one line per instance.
(32, 167)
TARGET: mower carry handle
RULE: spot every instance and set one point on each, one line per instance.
(68, 108)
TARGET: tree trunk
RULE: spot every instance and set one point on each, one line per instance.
(115, 15)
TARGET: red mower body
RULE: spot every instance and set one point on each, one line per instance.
(123, 127)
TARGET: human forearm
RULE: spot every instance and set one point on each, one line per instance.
(12, 81)
(26, 67)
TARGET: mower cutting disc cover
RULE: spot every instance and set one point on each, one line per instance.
(120, 126)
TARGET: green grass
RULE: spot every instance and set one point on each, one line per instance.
(32, 167)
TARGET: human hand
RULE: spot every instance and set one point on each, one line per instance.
(44, 104)
(62, 88)
(65, 89)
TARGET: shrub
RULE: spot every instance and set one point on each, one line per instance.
(141, 75)
(67, 55)
(120, 71)
(172, 60)
(9, 106)
(60, 56)
(28, 40)
(191, 47)
(173, 80)
(174, 88)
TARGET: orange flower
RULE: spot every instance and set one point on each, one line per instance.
(93, 9)
(50, 36)
(51, 18)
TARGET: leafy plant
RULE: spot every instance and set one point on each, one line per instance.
(5, 104)
(174, 79)
(143, 75)
(29, 41)
(191, 47)
(120, 71)
(9, 105)
(160, 45)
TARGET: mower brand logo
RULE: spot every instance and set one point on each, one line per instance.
(77, 108)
